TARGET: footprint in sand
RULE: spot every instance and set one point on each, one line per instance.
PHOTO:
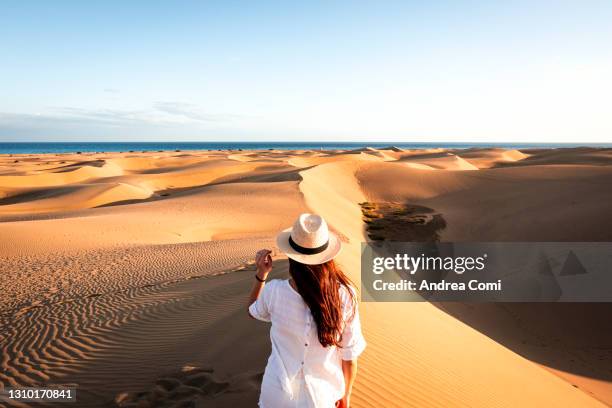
(187, 387)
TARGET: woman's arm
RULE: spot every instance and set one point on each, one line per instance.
(263, 261)
(349, 369)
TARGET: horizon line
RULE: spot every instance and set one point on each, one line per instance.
(309, 142)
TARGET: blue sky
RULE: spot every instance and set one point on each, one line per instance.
(393, 71)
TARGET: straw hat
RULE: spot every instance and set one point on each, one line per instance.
(309, 241)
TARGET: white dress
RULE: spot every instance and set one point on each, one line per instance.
(300, 371)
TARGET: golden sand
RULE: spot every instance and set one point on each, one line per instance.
(128, 273)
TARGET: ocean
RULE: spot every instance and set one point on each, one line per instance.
(69, 147)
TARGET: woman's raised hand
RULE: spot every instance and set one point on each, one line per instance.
(263, 261)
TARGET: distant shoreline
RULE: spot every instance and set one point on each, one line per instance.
(103, 147)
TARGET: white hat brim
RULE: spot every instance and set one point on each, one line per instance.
(333, 249)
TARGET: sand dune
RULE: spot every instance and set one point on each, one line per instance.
(416, 330)
(73, 197)
(574, 156)
(485, 158)
(127, 273)
(439, 161)
(309, 161)
(62, 175)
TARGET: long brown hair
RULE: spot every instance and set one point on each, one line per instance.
(319, 286)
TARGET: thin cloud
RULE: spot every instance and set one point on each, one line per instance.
(191, 111)
(171, 116)
(102, 116)
(170, 113)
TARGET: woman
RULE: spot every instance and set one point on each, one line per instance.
(316, 335)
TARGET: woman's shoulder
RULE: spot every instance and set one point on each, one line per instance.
(277, 284)
(281, 290)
